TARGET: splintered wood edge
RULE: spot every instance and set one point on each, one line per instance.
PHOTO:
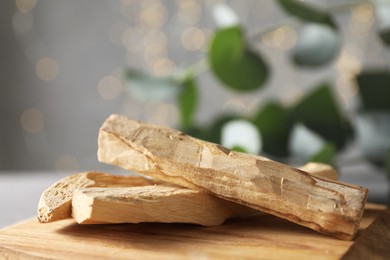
(116, 148)
(55, 201)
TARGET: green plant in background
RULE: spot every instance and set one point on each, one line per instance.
(312, 129)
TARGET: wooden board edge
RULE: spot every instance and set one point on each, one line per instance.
(12, 253)
(17, 223)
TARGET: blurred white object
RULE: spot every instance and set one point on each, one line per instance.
(224, 16)
(373, 134)
(382, 11)
(241, 133)
(304, 143)
(317, 44)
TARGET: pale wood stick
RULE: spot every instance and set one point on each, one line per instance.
(55, 202)
(162, 203)
(320, 170)
(158, 203)
(330, 207)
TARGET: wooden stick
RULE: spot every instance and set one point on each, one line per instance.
(162, 203)
(320, 170)
(55, 202)
(158, 203)
(330, 207)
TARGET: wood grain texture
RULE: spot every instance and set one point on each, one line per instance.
(255, 237)
(327, 206)
(55, 201)
(156, 203)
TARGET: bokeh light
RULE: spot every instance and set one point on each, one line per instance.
(363, 13)
(67, 163)
(347, 64)
(153, 16)
(32, 120)
(189, 12)
(362, 18)
(25, 6)
(163, 67)
(47, 68)
(283, 38)
(193, 39)
(109, 87)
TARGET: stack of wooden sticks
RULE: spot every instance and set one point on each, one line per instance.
(198, 182)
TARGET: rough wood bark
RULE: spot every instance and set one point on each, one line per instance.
(157, 203)
(55, 201)
(327, 206)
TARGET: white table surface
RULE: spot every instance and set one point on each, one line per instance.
(20, 191)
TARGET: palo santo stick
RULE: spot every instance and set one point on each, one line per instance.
(55, 202)
(330, 207)
(159, 203)
(320, 170)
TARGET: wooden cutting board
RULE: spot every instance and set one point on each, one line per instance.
(255, 237)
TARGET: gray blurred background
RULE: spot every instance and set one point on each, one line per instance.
(61, 65)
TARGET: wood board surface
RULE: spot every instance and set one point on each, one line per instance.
(256, 237)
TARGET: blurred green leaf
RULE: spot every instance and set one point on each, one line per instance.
(325, 155)
(197, 132)
(374, 90)
(320, 112)
(187, 102)
(239, 149)
(272, 123)
(385, 36)
(306, 12)
(145, 87)
(234, 63)
(317, 45)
